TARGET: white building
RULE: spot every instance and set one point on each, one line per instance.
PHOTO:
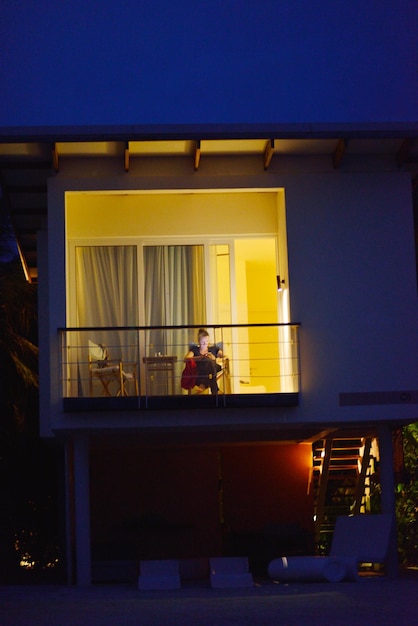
(293, 243)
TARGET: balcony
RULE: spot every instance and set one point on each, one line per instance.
(140, 368)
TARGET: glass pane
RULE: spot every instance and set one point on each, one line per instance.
(174, 295)
(220, 284)
(256, 357)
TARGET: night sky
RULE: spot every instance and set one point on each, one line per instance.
(101, 62)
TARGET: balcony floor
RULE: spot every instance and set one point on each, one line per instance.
(172, 403)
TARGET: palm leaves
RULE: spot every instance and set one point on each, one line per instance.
(18, 350)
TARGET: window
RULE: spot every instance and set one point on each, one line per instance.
(153, 262)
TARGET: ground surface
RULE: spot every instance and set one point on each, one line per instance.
(369, 601)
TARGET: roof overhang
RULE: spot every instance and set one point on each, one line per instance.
(29, 156)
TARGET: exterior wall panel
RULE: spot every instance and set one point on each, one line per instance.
(352, 286)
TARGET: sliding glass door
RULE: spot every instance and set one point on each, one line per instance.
(202, 283)
(174, 295)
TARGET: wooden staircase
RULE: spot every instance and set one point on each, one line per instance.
(340, 471)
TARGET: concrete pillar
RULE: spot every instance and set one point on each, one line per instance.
(82, 509)
(387, 485)
(69, 508)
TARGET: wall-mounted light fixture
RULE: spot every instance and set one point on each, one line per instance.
(281, 283)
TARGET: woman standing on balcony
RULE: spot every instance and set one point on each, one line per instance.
(205, 356)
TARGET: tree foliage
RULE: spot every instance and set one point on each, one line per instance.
(407, 499)
(29, 515)
(18, 349)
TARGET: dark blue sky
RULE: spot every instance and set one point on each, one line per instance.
(94, 62)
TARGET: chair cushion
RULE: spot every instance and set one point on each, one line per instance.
(188, 377)
(97, 351)
(105, 371)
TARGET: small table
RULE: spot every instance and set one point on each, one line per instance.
(160, 374)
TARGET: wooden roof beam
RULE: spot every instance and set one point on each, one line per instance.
(127, 157)
(268, 153)
(197, 154)
(55, 157)
(339, 152)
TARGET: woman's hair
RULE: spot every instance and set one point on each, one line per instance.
(202, 333)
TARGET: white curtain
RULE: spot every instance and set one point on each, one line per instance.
(106, 295)
(175, 294)
(106, 286)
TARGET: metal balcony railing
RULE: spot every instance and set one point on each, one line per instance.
(147, 362)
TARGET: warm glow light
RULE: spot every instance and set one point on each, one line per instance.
(26, 561)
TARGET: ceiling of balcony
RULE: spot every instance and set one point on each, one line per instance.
(26, 167)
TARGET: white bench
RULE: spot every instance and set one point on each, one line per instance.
(357, 539)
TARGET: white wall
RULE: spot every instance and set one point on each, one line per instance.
(353, 287)
(352, 281)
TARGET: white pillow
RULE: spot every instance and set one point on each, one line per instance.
(97, 352)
